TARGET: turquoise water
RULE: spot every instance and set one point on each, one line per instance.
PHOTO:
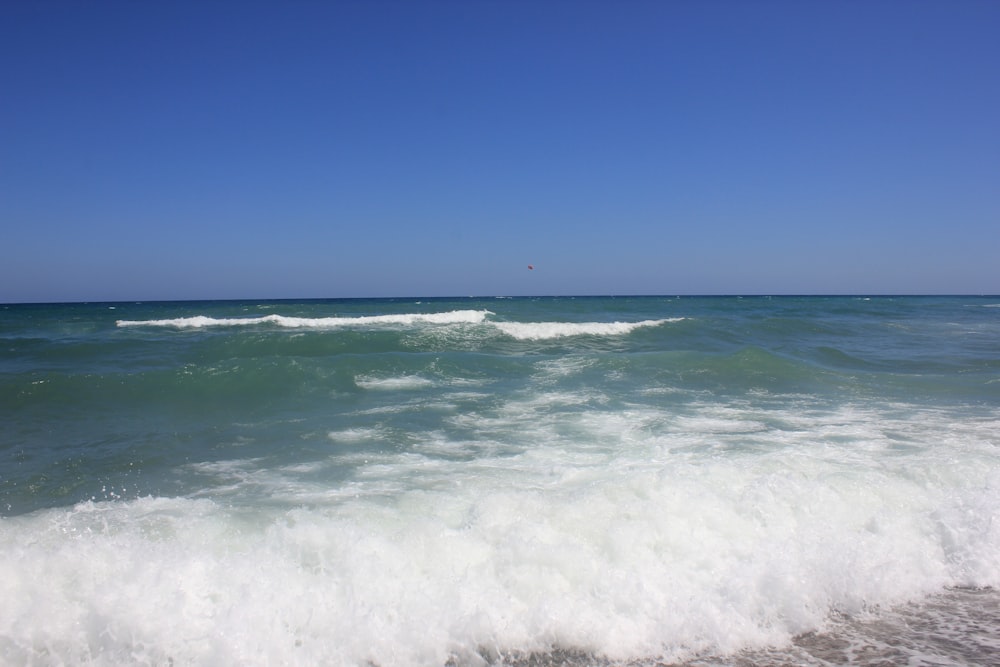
(418, 481)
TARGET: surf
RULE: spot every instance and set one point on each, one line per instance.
(288, 322)
(633, 480)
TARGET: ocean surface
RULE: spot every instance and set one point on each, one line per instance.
(501, 481)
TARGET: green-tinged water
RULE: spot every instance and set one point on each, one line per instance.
(413, 481)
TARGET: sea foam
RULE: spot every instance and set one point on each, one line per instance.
(453, 496)
(629, 556)
(547, 330)
(405, 319)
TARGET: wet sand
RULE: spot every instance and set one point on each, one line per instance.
(960, 627)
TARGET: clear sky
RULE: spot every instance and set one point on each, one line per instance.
(185, 150)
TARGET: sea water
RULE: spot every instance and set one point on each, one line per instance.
(646, 480)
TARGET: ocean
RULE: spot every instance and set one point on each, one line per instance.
(501, 481)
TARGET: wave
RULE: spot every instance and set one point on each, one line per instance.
(548, 330)
(403, 319)
(394, 383)
(656, 549)
(518, 330)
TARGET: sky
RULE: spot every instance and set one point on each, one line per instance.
(156, 150)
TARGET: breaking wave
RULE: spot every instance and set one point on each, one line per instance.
(405, 319)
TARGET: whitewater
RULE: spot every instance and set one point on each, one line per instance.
(612, 481)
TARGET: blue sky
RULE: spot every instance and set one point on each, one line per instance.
(189, 150)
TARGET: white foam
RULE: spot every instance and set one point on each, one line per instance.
(561, 367)
(625, 533)
(394, 383)
(549, 330)
(405, 319)
(357, 434)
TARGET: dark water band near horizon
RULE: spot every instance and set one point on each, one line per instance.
(524, 481)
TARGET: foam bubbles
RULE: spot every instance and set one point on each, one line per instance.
(541, 523)
(550, 330)
(405, 319)
(395, 383)
(631, 552)
(360, 434)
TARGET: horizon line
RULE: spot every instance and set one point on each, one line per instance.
(692, 295)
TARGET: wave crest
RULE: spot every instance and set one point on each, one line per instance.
(403, 319)
(547, 330)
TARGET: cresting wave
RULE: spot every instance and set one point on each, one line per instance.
(201, 321)
(518, 330)
(261, 483)
(546, 330)
(653, 548)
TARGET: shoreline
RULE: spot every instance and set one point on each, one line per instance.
(959, 626)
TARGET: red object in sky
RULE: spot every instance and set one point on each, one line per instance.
(531, 267)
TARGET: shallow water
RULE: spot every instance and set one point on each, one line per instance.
(716, 481)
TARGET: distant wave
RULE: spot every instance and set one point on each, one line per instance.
(547, 330)
(201, 321)
(518, 330)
